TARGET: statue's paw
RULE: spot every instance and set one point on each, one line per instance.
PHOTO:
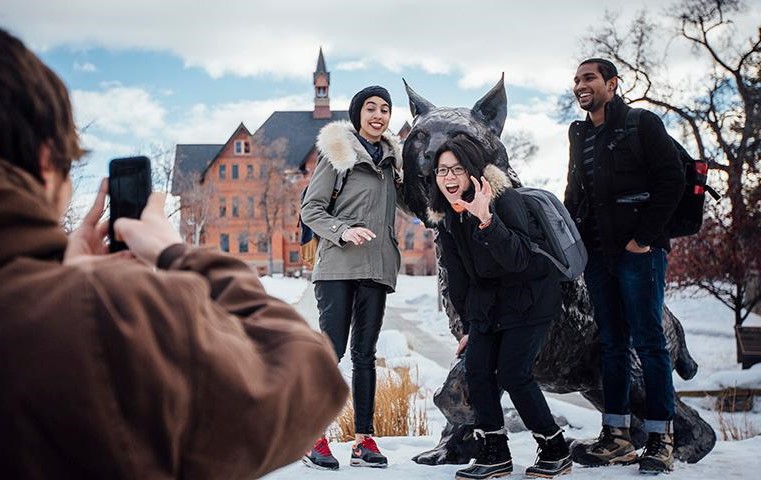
(430, 457)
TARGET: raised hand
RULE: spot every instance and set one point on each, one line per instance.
(461, 345)
(86, 244)
(479, 206)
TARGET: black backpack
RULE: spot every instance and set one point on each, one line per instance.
(688, 216)
(309, 239)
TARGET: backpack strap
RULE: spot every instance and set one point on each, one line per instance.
(631, 131)
(337, 189)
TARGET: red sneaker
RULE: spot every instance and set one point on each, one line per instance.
(320, 457)
(367, 454)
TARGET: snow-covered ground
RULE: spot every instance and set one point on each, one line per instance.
(709, 330)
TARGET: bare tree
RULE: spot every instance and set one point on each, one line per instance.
(196, 206)
(719, 111)
(162, 165)
(521, 147)
(162, 158)
(74, 213)
(72, 217)
(521, 150)
(277, 189)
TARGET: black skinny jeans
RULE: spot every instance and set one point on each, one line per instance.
(360, 305)
(504, 360)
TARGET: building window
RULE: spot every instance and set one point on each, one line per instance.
(249, 172)
(224, 242)
(261, 244)
(409, 241)
(222, 206)
(223, 172)
(235, 171)
(322, 92)
(242, 147)
(293, 256)
(427, 238)
(235, 206)
(250, 207)
(243, 242)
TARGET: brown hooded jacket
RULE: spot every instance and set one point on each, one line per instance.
(116, 370)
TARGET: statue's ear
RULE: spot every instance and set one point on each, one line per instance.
(418, 104)
(492, 108)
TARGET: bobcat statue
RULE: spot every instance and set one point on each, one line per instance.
(570, 359)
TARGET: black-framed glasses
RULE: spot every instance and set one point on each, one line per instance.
(443, 171)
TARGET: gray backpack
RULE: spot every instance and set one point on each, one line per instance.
(564, 248)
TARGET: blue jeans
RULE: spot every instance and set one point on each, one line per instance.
(626, 291)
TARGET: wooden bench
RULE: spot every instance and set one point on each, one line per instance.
(749, 345)
(728, 399)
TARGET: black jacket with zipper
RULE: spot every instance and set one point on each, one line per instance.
(633, 198)
(495, 281)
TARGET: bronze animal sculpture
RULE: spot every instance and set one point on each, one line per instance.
(570, 360)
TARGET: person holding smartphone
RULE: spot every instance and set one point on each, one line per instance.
(358, 256)
(506, 297)
(161, 361)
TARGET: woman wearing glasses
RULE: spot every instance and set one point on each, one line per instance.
(507, 298)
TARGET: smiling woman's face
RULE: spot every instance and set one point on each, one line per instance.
(451, 184)
(374, 118)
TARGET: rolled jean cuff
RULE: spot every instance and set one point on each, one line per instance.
(658, 426)
(616, 420)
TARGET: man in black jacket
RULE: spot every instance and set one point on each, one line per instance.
(621, 202)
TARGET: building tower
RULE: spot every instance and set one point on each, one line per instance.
(321, 90)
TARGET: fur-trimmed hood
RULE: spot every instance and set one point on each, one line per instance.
(496, 178)
(338, 144)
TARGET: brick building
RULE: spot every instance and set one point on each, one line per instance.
(239, 194)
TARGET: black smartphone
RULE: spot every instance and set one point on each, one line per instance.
(129, 185)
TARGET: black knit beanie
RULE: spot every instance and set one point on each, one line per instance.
(359, 99)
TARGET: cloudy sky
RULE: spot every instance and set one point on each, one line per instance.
(148, 72)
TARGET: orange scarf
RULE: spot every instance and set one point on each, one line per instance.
(458, 208)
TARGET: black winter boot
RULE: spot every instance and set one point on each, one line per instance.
(553, 457)
(493, 459)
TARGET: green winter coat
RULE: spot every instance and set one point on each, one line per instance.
(368, 199)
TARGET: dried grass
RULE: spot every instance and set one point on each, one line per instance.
(397, 412)
(732, 424)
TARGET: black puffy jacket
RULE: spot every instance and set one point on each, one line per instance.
(495, 281)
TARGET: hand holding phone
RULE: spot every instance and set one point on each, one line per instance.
(151, 234)
(86, 242)
(129, 185)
